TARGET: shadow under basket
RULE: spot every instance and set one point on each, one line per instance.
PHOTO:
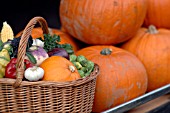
(45, 96)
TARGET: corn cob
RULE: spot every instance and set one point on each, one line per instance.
(6, 32)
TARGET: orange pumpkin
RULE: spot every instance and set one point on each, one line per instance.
(65, 38)
(101, 22)
(59, 69)
(152, 47)
(158, 13)
(122, 76)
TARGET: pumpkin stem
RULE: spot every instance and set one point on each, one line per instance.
(71, 68)
(106, 51)
(152, 29)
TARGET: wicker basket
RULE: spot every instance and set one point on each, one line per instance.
(44, 96)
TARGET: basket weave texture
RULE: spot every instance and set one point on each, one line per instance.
(17, 95)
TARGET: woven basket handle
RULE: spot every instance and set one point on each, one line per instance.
(23, 44)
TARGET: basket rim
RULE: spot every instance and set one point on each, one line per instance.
(42, 83)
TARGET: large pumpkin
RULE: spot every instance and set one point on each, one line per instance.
(65, 37)
(102, 21)
(122, 76)
(158, 13)
(152, 47)
(59, 69)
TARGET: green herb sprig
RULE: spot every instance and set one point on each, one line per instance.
(51, 42)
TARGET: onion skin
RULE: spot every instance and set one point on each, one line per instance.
(59, 52)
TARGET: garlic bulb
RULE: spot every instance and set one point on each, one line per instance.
(38, 42)
(34, 73)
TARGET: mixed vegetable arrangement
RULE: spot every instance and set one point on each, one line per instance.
(37, 51)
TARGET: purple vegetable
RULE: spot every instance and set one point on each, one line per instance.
(58, 52)
(39, 54)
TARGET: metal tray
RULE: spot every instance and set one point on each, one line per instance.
(140, 100)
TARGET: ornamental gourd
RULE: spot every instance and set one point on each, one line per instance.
(152, 47)
(122, 76)
(65, 38)
(102, 21)
(158, 13)
(59, 69)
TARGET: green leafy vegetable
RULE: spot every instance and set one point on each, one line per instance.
(51, 42)
(84, 66)
(73, 58)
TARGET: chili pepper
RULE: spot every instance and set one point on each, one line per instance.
(10, 71)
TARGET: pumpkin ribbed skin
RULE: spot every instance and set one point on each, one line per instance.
(56, 68)
(65, 37)
(158, 13)
(122, 76)
(101, 22)
(153, 49)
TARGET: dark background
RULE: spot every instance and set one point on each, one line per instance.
(17, 13)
